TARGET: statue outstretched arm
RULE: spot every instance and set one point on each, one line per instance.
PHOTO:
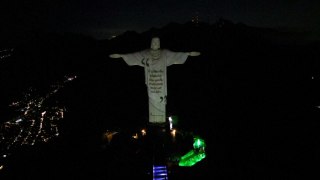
(130, 58)
(194, 53)
(115, 55)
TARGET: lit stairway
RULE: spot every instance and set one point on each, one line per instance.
(160, 172)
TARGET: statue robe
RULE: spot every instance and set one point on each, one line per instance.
(156, 78)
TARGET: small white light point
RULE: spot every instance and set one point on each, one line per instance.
(135, 136)
(173, 132)
(143, 132)
(170, 122)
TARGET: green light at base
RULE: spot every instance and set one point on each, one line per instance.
(198, 143)
(191, 158)
(195, 155)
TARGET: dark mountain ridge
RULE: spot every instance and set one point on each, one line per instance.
(251, 94)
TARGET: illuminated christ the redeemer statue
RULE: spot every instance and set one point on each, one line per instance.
(155, 62)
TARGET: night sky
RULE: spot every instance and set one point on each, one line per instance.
(104, 18)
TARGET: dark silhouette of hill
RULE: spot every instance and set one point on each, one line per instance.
(252, 93)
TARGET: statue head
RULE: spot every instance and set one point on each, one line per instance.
(155, 43)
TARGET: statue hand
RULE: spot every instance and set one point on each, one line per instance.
(115, 55)
(194, 53)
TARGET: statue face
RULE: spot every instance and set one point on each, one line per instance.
(155, 43)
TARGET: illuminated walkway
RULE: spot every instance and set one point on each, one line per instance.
(160, 172)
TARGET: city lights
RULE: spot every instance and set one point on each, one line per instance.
(5, 53)
(36, 119)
